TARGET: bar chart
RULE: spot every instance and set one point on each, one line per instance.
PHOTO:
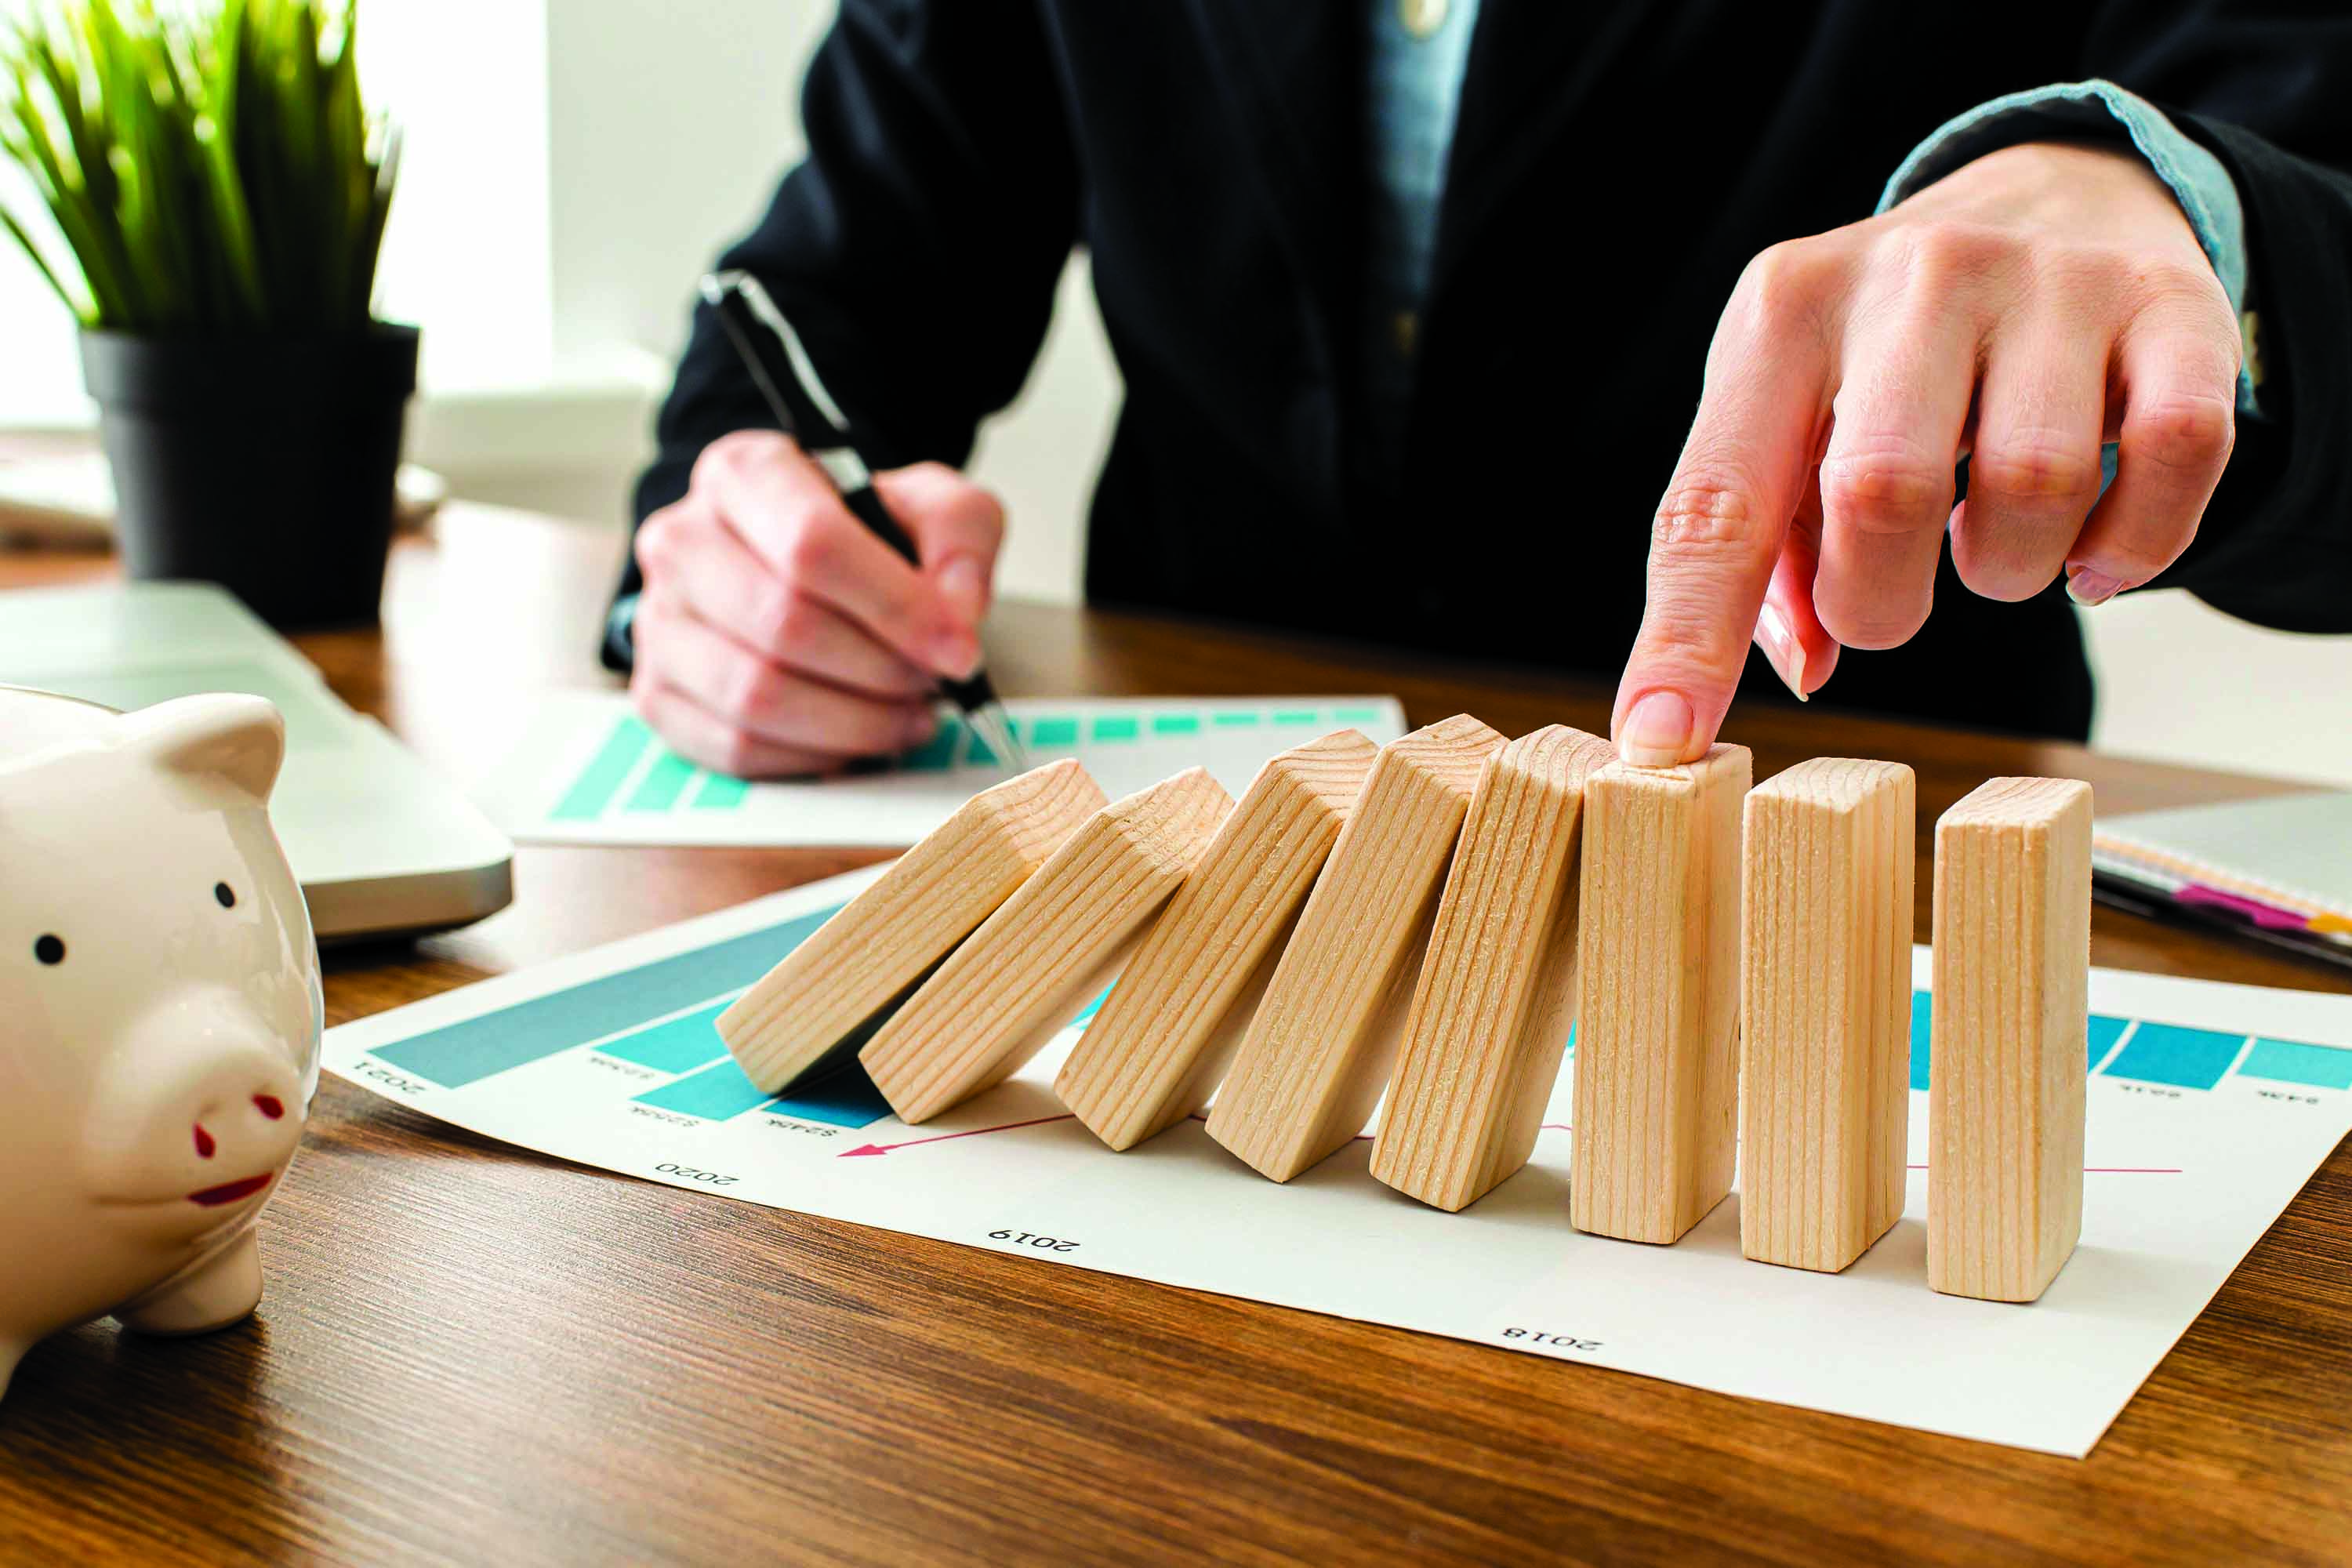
(2208, 1107)
(586, 769)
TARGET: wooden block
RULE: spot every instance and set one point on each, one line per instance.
(876, 948)
(1159, 1046)
(1316, 1054)
(2006, 1060)
(1497, 997)
(1826, 1020)
(1657, 1049)
(1055, 942)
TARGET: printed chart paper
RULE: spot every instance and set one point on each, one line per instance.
(586, 770)
(2210, 1107)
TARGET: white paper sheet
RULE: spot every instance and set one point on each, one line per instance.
(2210, 1107)
(583, 770)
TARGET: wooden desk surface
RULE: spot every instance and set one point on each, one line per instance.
(475, 1353)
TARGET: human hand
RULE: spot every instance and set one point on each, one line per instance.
(775, 635)
(2020, 312)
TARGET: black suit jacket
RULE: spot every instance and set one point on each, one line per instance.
(1615, 166)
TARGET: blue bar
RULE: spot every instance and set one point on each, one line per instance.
(593, 789)
(2168, 1054)
(1920, 1026)
(682, 1044)
(2104, 1033)
(1087, 1014)
(2291, 1061)
(846, 1098)
(464, 1053)
(714, 1094)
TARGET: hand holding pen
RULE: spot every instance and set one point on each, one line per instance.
(777, 635)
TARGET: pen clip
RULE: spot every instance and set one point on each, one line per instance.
(718, 286)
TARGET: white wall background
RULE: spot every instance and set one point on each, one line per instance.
(572, 166)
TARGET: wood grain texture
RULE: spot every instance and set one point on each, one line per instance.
(884, 941)
(1496, 996)
(2005, 1092)
(1825, 1011)
(1319, 1050)
(1162, 1044)
(1657, 1035)
(754, 1386)
(1059, 938)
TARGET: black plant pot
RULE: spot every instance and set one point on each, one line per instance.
(264, 466)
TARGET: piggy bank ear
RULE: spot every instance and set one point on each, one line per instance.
(236, 741)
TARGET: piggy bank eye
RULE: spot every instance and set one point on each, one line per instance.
(225, 895)
(49, 949)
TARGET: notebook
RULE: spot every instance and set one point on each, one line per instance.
(2277, 869)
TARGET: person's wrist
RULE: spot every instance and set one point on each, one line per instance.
(2096, 189)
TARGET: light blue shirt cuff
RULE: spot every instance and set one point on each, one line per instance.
(2207, 194)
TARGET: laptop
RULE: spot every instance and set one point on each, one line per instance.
(382, 845)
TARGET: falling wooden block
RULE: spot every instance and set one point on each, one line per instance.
(2006, 1057)
(1825, 1025)
(1491, 1015)
(1156, 1051)
(1657, 1048)
(879, 946)
(1317, 1053)
(1056, 940)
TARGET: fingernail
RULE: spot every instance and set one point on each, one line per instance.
(965, 588)
(1658, 731)
(956, 655)
(2092, 587)
(920, 728)
(1782, 649)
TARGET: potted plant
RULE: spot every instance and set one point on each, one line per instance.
(217, 196)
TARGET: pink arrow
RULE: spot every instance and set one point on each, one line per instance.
(945, 1137)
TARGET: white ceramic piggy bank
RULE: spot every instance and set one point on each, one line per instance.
(159, 1013)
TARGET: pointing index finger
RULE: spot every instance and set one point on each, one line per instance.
(1717, 535)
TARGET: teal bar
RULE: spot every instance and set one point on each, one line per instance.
(2291, 1061)
(663, 784)
(2103, 1034)
(681, 1045)
(1921, 1031)
(1295, 716)
(1176, 725)
(979, 753)
(720, 792)
(1087, 1014)
(1115, 727)
(594, 790)
(1235, 721)
(715, 1094)
(846, 1098)
(1359, 715)
(2168, 1054)
(938, 751)
(1054, 732)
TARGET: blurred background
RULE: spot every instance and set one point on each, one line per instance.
(569, 169)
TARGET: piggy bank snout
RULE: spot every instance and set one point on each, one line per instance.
(198, 1115)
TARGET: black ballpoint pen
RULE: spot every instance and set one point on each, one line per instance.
(784, 375)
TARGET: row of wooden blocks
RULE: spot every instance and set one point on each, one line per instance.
(1429, 919)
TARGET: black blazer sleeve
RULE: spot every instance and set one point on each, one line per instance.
(918, 247)
(2268, 89)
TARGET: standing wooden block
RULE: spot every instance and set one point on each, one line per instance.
(2006, 1058)
(1055, 942)
(1825, 1028)
(1156, 1051)
(1317, 1053)
(1498, 995)
(880, 945)
(1657, 1047)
